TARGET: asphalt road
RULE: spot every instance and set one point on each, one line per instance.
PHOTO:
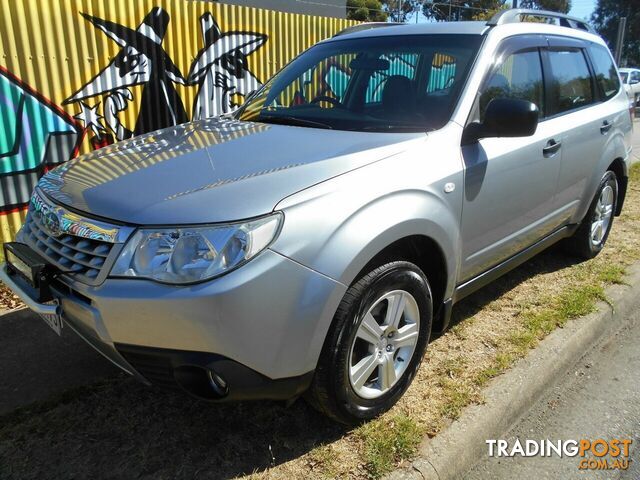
(36, 364)
(599, 398)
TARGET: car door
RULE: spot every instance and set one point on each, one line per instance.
(571, 100)
(510, 183)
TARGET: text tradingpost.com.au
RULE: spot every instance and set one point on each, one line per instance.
(597, 454)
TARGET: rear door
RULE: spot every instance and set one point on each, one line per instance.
(510, 183)
(573, 102)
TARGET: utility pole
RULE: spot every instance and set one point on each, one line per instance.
(620, 38)
(399, 8)
(449, 18)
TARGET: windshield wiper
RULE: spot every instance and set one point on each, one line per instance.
(295, 121)
(397, 128)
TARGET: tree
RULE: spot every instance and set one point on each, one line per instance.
(562, 6)
(605, 20)
(488, 14)
(366, 11)
(457, 10)
(407, 8)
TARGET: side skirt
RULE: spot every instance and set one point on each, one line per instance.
(467, 288)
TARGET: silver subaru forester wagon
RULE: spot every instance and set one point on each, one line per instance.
(312, 241)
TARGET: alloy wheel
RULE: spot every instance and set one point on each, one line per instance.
(384, 344)
(602, 215)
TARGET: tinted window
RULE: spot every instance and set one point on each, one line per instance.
(606, 73)
(369, 84)
(571, 86)
(403, 65)
(329, 78)
(519, 76)
(624, 76)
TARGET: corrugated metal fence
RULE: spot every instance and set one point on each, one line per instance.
(76, 75)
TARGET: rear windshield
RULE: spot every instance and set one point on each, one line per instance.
(404, 83)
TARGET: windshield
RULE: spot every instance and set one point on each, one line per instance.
(624, 76)
(403, 83)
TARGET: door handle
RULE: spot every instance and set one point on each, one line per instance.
(551, 148)
(606, 126)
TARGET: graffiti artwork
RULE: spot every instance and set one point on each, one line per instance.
(125, 70)
(37, 135)
(221, 69)
(141, 61)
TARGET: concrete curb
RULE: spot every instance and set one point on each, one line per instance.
(453, 452)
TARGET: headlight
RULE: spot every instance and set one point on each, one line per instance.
(191, 254)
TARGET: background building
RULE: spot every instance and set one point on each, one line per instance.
(77, 76)
(328, 8)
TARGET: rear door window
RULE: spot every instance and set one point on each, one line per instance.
(571, 87)
(606, 74)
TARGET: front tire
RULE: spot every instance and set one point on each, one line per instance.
(594, 230)
(375, 344)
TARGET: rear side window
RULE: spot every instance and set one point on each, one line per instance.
(442, 73)
(518, 76)
(571, 87)
(606, 74)
(400, 64)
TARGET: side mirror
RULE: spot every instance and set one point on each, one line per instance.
(504, 117)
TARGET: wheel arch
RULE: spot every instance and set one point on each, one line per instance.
(619, 167)
(351, 233)
(427, 255)
(612, 158)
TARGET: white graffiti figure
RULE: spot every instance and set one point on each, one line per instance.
(141, 61)
(221, 69)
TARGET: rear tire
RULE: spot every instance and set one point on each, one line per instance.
(375, 344)
(594, 229)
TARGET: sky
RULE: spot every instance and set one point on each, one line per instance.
(579, 8)
(582, 8)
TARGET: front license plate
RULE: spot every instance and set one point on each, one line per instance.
(54, 321)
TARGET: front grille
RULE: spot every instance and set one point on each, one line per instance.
(82, 256)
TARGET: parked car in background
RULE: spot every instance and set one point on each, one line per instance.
(631, 81)
(313, 241)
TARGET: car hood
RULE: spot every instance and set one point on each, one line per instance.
(211, 171)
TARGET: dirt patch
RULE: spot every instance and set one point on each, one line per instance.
(121, 429)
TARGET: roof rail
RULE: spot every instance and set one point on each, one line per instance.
(366, 26)
(515, 15)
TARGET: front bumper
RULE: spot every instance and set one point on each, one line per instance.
(260, 328)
